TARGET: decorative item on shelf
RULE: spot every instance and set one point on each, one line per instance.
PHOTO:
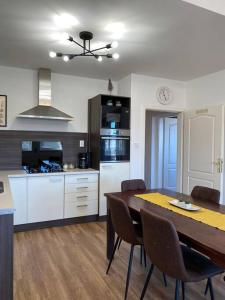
(110, 86)
(109, 102)
(3, 110)
(164, 95)
(87, 51)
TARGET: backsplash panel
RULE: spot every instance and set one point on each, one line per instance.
(10, 145)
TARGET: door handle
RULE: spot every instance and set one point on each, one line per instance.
(219, 165)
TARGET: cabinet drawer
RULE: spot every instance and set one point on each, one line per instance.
(84, 178)
(82, 196)
(81, 187)
(81, 208)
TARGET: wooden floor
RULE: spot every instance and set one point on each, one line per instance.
(69, 263)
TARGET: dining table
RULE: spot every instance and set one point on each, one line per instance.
(204, 238)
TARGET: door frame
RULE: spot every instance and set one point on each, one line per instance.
(180, 127)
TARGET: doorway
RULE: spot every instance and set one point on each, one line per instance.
(162, 166)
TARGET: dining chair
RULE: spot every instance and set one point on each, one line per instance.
(132, 185)
(206, 194)
(177, 261)
(126, 230)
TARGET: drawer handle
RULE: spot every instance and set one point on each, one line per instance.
(82, 187)
(84, 178)
(80, 197)
(84, 205)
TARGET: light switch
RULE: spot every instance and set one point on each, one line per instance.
(81, 143)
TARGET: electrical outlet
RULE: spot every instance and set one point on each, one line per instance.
(81, 143)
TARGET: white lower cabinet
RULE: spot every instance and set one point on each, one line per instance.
(81, 195)
(45, 198)
(18, 188)
(111, 175)
(52, 197)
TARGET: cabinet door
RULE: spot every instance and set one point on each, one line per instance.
(18, 188)
(45, 198)
(111, 175)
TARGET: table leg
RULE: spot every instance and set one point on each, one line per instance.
(110, 234)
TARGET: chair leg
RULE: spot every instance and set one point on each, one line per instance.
(183, 291)
(164, 279)
(129, 271)
(211, 289)
(141, 254)
(177, 289)
(144, 253)
(120, 241)
(147, 282)
(206, 288)
(114, 250)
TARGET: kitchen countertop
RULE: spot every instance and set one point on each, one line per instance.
(22, 173)
(6, 201)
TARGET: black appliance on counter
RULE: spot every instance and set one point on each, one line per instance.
(109, 129)
(84, 160)
(42, 156)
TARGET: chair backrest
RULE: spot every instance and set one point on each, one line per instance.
(162, 245)
(205, 193)
(122, 221)
(132, 185)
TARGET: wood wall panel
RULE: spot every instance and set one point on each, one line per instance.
(10, 145)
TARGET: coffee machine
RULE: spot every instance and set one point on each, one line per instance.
(84, 160)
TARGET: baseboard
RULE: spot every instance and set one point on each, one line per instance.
(53, 223)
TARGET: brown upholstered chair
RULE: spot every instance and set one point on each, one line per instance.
(126, 230)
(177, 261)
(132, 185)
(206, 194)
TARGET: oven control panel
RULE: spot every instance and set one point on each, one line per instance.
(115, 132)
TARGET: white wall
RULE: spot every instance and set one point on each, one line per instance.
(69, 93)
(206, 91)
(143, 97)
(124, 86)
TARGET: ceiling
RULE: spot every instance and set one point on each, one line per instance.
(163, 38)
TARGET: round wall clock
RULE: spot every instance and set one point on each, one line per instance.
(164, 95)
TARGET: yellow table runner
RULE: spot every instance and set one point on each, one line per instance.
(206, 216)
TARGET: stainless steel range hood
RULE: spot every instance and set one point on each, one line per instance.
(44, 109)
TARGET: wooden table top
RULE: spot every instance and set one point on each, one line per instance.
(202, 237)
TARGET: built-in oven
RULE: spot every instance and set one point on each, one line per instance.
(115, 145)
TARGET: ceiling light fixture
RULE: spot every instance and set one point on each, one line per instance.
(65, 20)
(87, 51)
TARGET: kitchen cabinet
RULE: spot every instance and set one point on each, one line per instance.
(81, 195)
(111, 175)
(18, 188)
(45, 198)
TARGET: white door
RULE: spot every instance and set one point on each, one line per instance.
(203, 148)
(170, 154)
(111, 175)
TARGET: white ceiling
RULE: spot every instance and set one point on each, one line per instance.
(164, 38)
(217, 6)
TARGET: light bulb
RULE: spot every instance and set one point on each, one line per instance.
(100, 58)
(114, 44)
(52, 54)
(65, 57)
(115, 55)
(64, 36)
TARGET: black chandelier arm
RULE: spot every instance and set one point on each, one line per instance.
(71, 56)
(85, 49)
